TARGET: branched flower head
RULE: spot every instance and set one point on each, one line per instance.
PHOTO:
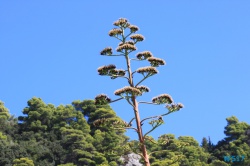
(144, 55)
(117, 72)
(106, 51)
(161, 99)
(122, 22)
(180, 105)
(133, 28)
(127, 42)
(104, 70)
(120, 123)
(143, 88)
(149, 69)
(126, 46)
(155, 62)
(99, 122)
(128, 91)
(115, 32)
(174, 107)
(156, 122)
(137, 37)
(102, 99)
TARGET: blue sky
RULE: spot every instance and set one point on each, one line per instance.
(50, 49)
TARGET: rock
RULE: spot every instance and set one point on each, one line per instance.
(131, 159)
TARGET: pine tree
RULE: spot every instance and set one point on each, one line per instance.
(204, 144)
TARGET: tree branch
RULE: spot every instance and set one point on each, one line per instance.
(151, 130)
(135, 59)
(151, 140)
(119, 76)
(130, 122)
(130, 103)
(144, 102)
(116, 55)
(157, 151)
(117, 38)
(130, 52)
(125, 128)
(145, 77)
(128, 35)
(155, 116)
(116, 100)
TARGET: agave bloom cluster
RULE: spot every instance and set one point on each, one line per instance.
(99, 122)
(117, 72)
(106, 51)
(120, 123)
(127, 42)
(133, 28)
(155, 62)
(174, 107)
(156, 122)
(137, 37)
(110, 70)
(102, 99)
(106, 70)
(122, 22)
(128, 91)
(126, 46)
(162, 99)
(144, 55)
(143, 88)
(147, 70)
(115, 32)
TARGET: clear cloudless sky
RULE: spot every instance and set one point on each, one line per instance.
(50, 49)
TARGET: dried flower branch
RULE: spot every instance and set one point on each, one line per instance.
(117, 73)
(133, 28)
(128, 91)
(155, 62)
(102, 99)
(115, 32)
(174, 107)
(99, 122)
(106, 51)
(127, 42)
(148, 69)
(162, 99)
(144, 55)
(137, 37)
(105, 70)
(125, 46)
(143, 88)
(122, 22)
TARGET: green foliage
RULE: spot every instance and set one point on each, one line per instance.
(4, 112)
(23, 162)
(235, 143)
(68, 164)
(68, 138)
(171, 151)
(218, 163)
(3, 137)
(107, 140)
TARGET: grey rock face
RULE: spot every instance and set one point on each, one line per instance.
(131, 159)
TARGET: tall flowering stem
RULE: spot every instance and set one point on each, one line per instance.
(134, 90)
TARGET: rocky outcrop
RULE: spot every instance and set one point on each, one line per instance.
(131, 159)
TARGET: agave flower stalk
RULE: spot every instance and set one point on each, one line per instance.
(133, 90)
